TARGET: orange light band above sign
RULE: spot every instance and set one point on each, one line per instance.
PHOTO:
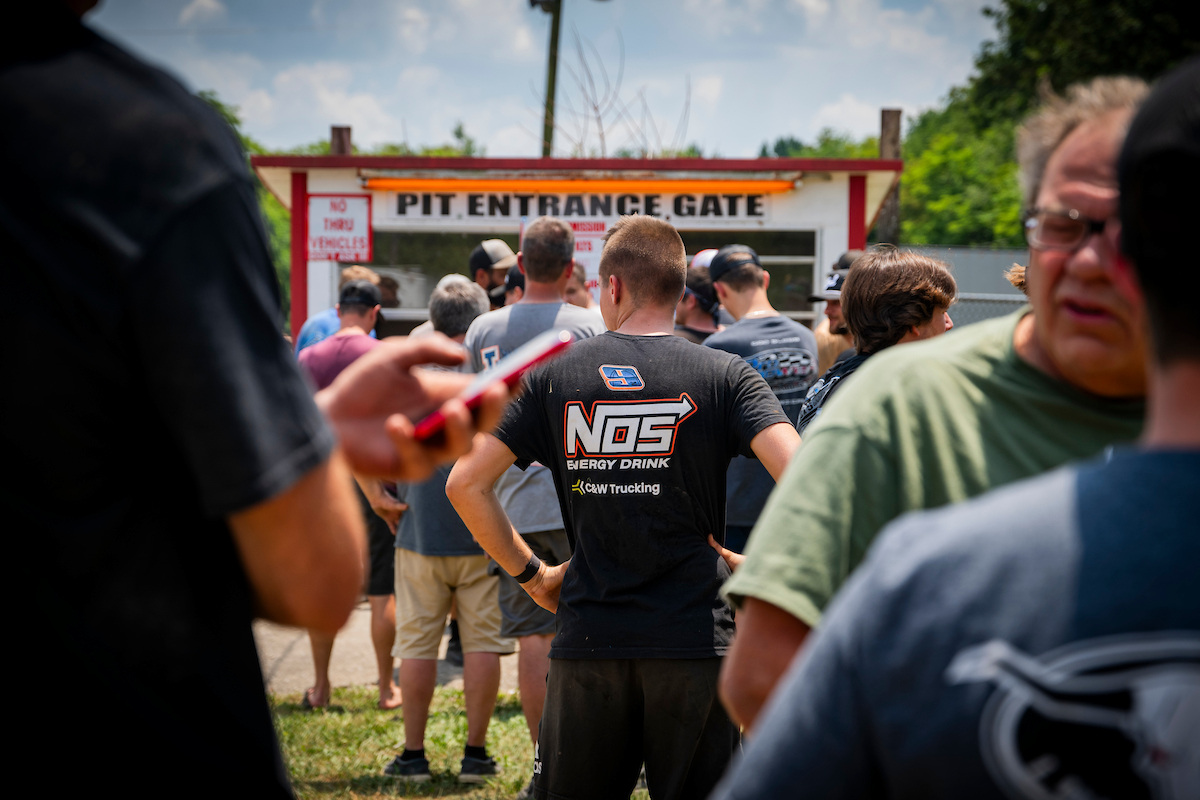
(576, 186)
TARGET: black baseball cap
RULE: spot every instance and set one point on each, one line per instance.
(832, 290)
(492, 254)
(847, 258)
(729, 258)
(359, 293)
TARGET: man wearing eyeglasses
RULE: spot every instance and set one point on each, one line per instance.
(939, 422)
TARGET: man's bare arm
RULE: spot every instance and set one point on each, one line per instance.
(767, 640)
(303, 550)
(775, 447)
(470, 489)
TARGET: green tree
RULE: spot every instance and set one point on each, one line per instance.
(960, 184)
(829, 144)
(1067, 41)
(276, 218)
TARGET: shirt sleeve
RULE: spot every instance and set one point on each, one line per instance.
(205, 319)
(818, 523)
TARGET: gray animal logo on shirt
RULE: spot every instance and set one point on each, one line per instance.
(1111, 717)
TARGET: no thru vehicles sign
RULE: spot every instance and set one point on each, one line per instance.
(339, 227)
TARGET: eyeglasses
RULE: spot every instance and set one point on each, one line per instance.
(1060, 230)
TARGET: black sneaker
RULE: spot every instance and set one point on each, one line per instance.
(477, 770)
(414, 769)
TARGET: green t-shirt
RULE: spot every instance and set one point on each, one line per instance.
(918, 426)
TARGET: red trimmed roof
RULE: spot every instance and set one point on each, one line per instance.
(639, 164)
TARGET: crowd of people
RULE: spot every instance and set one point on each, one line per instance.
(886, 560)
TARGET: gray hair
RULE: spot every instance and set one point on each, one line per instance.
(453, 307)
(546, 249)
(1052, 122)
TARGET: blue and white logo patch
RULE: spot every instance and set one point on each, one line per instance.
(621, 379)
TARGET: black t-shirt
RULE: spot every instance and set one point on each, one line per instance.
(692, 334)
(820, 392)
(638, 432)
(153, 396)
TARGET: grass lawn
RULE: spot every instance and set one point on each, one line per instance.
(340, 751)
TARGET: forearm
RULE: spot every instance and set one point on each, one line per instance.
(767, 640)
(303, 550)
(472, 495)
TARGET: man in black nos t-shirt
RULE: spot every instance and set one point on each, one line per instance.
(638, 428)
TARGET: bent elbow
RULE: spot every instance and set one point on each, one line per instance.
(459, 486)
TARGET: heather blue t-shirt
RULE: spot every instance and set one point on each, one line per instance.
(431, 526)
(784, 353)
(1042, 640)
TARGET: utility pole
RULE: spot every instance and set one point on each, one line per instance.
(554, 9)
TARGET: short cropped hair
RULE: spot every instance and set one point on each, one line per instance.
(579, 275)
(357, 272)
(746, 276)
(548, 246)
(1049, 126)
(453, 307)
(888, 291)
(648, 256)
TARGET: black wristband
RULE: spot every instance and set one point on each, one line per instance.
(531, 569)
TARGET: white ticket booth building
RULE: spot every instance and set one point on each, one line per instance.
(417, 219)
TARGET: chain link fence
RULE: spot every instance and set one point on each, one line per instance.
(975, 307)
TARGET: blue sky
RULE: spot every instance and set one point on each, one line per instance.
(409, 70)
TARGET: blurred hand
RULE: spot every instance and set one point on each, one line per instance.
(373, 404)
(734, 560)
(385, 504)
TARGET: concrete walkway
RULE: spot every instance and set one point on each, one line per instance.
(287, 660)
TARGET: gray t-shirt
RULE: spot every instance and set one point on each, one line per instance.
(785, 353)
(527, 496)
(1040, 641)
(431, 526)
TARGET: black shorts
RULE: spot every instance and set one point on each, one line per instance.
(604, 718)
(523, 616)
(381, 544)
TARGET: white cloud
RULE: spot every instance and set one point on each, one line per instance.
(413, 29)
(201, 11)
(420, 78)
(725, 17)
(706, 90)
(848, 113)
(322, 94)
(501, 30)
(813, 9)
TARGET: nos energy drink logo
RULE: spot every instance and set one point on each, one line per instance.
(637, 427)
